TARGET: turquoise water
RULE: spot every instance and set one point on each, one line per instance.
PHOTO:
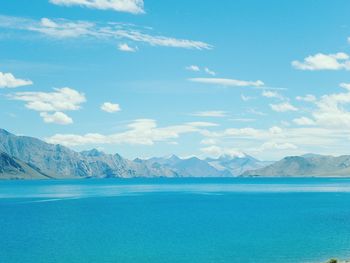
(175, 220)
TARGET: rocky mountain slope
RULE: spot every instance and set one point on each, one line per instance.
(61, 162)
(12, 168)
(306, 165)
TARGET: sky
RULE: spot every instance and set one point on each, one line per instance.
(149, 78)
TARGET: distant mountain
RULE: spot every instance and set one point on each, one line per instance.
(12, 168)
(224, 166)
(236, 165)
(60, 162)
(306, 165)
(190, 167)
(30, 157)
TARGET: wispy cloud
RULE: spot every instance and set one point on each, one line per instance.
(322, 61)
(256, 112)
(199, 69)
(7, 80)
(283, 107)
(209, 71)
(63, 28)
(129, 6)
(243, 119)
(246, 98)
(228, 82)
(307, 98)
(60, 28)
(193, 68)
(214, 113)
(304, 121)
(272, 145)
(272, 94)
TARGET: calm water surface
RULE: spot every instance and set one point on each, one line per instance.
(175, 220)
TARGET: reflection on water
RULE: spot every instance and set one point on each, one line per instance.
(61, 190)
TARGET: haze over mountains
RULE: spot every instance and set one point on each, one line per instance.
(22, 156)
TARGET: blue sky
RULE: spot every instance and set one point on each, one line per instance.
(152, 78)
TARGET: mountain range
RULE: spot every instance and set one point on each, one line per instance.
(25, 157)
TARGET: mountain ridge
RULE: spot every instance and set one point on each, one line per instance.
(23, 157)
(57, 161)
(310, 165)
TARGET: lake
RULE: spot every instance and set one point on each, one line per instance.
(276, 220)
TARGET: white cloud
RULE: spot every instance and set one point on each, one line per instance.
(277, 146)
(129, 6)
(246, 98)
(321, 61)
(304, 121)
(331, 112)
(202, 124)
(307, 98)
(345, 86)
(193, 68)
(210, 72)
(248, 132)
(285, 123)
(216, 151)
(256, 112)
(61, 99)
(7, 80)
(63, 28)
(283, 107)
(243, 119)
(110, 107)
(274, 142)
(325, 131)
(126, 48)
(275, 130)
(198, 69)
(215, 113)
(139, 132)
(208, 141)
(228, 82)
(272, 94)
(138, 36)
(57, 117)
